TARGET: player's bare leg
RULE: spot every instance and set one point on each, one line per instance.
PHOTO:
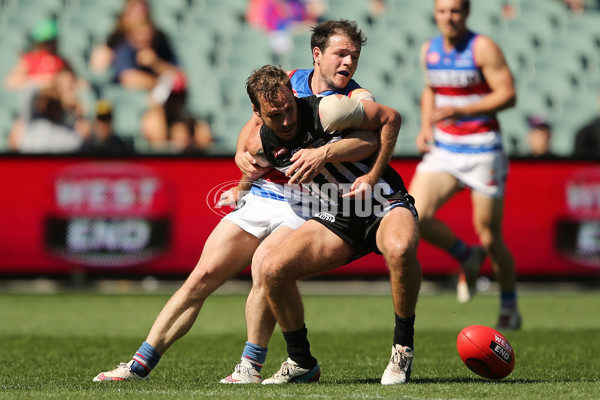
(260, 322)
(228, 250)
(398, 239)
(487, 216)
(309, 250)
(431, 191)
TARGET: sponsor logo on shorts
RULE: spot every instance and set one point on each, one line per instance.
(325, 217)
(240, 204)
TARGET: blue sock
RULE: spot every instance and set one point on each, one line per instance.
(145, 359)
(460, 250)
(255, 354)
(508, 299)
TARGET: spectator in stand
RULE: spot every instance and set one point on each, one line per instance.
(51, 118)
(279, 18)
(133, 13)
(103, 139)
(315, 10)
(70, 89)
(576, 6)
(539, 136)
(587, 140)
(143, 57)
(39, 65)
(377, 8)
(41, 127)
(168, 124)
(509, 11)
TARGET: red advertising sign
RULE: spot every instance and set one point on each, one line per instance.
(151, 216)
(108, 214)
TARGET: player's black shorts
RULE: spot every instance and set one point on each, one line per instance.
(357, 226)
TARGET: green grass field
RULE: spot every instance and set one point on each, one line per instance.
(53, 345)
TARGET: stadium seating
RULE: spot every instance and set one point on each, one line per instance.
(554, 56)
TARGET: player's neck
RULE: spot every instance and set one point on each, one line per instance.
(451, 43)
(317, 83)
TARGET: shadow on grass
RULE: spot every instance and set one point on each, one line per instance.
(425, 381)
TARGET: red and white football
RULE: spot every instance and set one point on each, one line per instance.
(485, 351)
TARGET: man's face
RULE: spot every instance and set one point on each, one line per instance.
(450, 17)
(281, 115)
(338, 62)
(539, 140)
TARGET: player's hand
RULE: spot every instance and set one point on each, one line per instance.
(146, 57)
(444, 113)
(306, 164)
(229, 197)
(361, 188)
(424, 140)
(249, 167)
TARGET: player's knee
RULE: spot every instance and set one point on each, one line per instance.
(257, 271)
(200, 285)
(487, 239)
(270, 271)
(425, 220)
(400, 253)
(273, 272)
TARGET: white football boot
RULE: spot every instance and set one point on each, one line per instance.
(290, 372)
(470, 267)
(243, 373)
(462, 289)
(400, 366)
(121, 373)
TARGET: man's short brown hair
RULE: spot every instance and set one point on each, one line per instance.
(266, 83)
(321, 33)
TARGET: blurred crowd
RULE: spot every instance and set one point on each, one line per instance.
(52, 115)
(138, 56)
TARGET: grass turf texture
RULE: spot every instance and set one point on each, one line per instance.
(53, 345)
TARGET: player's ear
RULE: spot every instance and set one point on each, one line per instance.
(256, 111)
(316, 53)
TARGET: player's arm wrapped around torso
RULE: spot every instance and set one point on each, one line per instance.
(338, 113)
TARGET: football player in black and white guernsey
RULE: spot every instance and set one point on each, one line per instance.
(366, 209)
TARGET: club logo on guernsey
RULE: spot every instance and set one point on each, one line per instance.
(325, 216)
(433, 57)
(279, 151)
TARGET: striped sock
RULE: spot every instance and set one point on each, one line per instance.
(255, 354)
(145, 359)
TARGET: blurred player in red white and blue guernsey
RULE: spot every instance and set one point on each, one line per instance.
(467, 83)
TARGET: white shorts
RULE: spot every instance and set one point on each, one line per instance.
(484, 172)
(260, 216)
